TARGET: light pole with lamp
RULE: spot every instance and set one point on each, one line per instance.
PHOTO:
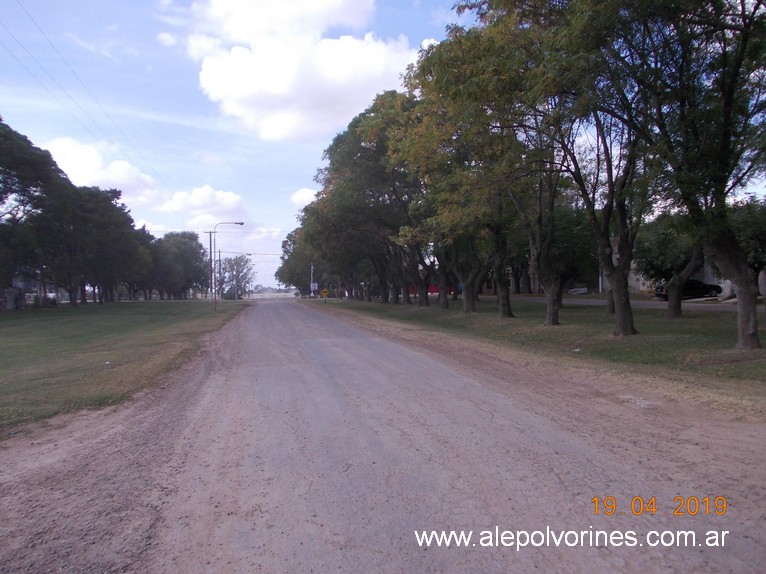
(213, 286)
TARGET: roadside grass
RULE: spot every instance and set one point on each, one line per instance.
(60, 359)
(700, 343)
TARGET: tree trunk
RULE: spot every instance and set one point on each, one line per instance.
(469, 301)
(618, 294)
(393, 293)
(423, 289)
(469, 290)
(674, 299)
(406, 295)
(443, 279)
(560, 293)
(747, 317)
(503, 290)
(525, 283)
(552, 289)
(624, 324)
(503, 299)
(728, 255)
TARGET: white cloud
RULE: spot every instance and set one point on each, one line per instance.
(303, 197)
(284, 70)
(202, 201)
(200, 208)
(268, 234)
(85, 165)
(153, 228)
(246, 21)
(166, 39)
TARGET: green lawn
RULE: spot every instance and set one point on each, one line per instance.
(702, 342)
(63, 358)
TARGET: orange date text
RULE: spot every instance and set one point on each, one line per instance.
(681, 506)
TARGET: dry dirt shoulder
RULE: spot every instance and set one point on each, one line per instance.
(698, 396)
(89, 492)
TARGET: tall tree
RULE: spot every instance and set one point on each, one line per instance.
(180, 264)
(365, 200)
(702, 63)
(62, 233)
(454, 147)
(237, 275)
(26, 172)
(113, 251)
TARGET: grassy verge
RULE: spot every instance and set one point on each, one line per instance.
(701, 343)
(61, 359)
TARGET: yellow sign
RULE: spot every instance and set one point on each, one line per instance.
(324, 293)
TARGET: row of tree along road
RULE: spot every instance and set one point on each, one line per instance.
(83, 240)
(546, 132)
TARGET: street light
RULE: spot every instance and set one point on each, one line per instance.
(213, 286)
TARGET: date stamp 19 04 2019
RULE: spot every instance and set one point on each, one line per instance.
(682, 506)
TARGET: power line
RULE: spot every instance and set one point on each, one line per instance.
(87, 89)
(47, 89)
(120, 131)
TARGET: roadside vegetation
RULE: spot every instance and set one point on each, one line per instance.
(695, 350)
(61, 359)
(533, 146)
(56, 360)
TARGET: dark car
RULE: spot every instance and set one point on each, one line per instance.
(692, 290)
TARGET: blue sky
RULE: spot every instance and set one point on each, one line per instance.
(204, 111)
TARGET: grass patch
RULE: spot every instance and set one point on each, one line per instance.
(701, 343)
(60, 359)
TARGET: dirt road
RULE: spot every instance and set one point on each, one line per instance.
(300, 442)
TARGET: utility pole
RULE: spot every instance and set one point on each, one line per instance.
(210, 257)
(212, 253)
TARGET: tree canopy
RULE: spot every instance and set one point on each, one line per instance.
(540, 114)
(76, 238)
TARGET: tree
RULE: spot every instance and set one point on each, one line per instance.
(113, 251)
(452, 146)
(138, 278)
(364, 202)
(237, 275)
(26, 172)
(83, 236)
(669, 250)
(62, 233)
(748, 220)
(702, 65)
(180, 264)
(562, 102)
(297, 260)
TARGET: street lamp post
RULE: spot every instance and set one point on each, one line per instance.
(213, 285)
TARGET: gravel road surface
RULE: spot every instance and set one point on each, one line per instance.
(299, 441)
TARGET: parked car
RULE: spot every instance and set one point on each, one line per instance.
(692, 290)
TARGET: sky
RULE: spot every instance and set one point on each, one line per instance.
(208, 111)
